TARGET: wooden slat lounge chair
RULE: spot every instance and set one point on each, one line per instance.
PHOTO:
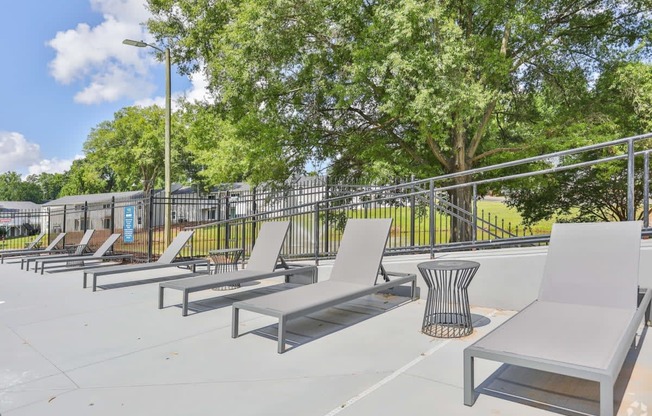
(166, 260)
(354, 275)
(100, 255)
(262, 264)
(586, 315)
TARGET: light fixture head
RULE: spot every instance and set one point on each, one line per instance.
(137, 43)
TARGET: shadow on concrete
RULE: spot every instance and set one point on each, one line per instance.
(556, 393)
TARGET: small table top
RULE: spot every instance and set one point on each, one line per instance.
(448, 264)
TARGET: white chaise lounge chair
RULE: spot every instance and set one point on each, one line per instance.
(354, 275)
(165, 261)
(586, 315)
(262, 264)
(100, 255)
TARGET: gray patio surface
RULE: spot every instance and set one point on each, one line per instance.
(65, 350)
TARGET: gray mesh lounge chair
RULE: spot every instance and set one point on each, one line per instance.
(32, 245)
(586, 314)
(166, 260)
(50, 249)
(72, 250)
(262, 264)
(100, 255)
(354, 275)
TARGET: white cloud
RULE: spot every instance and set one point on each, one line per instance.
(197, 92)
(16, 152)
(54, 165)
(107, 70)
(95, 56)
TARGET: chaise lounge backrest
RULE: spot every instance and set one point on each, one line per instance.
(36, 241)
(593, 264)
(361, 251)
(106, 246)
(54, 242)
(268, 246)
(175, 247)
(83, 243)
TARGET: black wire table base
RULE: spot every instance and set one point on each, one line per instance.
(447, 313)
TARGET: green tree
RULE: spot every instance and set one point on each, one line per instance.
(429, 87)
(127, 153)
(50, 184)
(13, 188)
(84, 177)
(618, 105)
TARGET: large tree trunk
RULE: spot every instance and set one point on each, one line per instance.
(461, 227)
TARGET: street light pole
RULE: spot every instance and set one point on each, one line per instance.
(167, 234)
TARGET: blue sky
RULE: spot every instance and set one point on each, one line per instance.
(64, 70)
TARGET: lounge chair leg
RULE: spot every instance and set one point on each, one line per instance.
(606, 398)
(22, 263)
(414, 289)
(184, 306)
(94, 282)
(235, 321)
(84, 280)
(281, 335)
(42, 268)
(160, 297)
(469, 395)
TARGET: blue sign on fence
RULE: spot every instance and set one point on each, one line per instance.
(128, 226)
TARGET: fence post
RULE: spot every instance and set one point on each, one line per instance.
(112, 225)
(631, 209)
(474, 228)
(327, 242)
(63, 227)
(646, 190)
(412, 212)
(219, 218)
(244, 239)
(85, 216)
(316, 226)
(254, 208)
(150, 229)
(432, 219)
(227, 216)
(49, 225)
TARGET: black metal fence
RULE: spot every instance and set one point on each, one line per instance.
(431, 215)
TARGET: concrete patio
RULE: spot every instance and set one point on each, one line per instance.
(68, 351)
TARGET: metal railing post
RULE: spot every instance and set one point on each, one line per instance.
(646, 190)
(412, 213)
(150, 228)
(85, 216)
(631, 208)
(474, 228)
(316, 226)
(112, 225)
(432, 219)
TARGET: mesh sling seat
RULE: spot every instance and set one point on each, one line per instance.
(32, 245)
(586, 315)
(50, 249)
(262, 264)
(68, 251)
(103, 253)
(166, 260)
(354, 275)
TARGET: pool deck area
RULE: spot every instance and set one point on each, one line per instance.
(65, 350)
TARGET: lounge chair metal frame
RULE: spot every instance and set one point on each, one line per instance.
(500, 348)
(343, 286)
(166, 260)
(68, 251)
(50, 249)
(265, 262)
(101, 254)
